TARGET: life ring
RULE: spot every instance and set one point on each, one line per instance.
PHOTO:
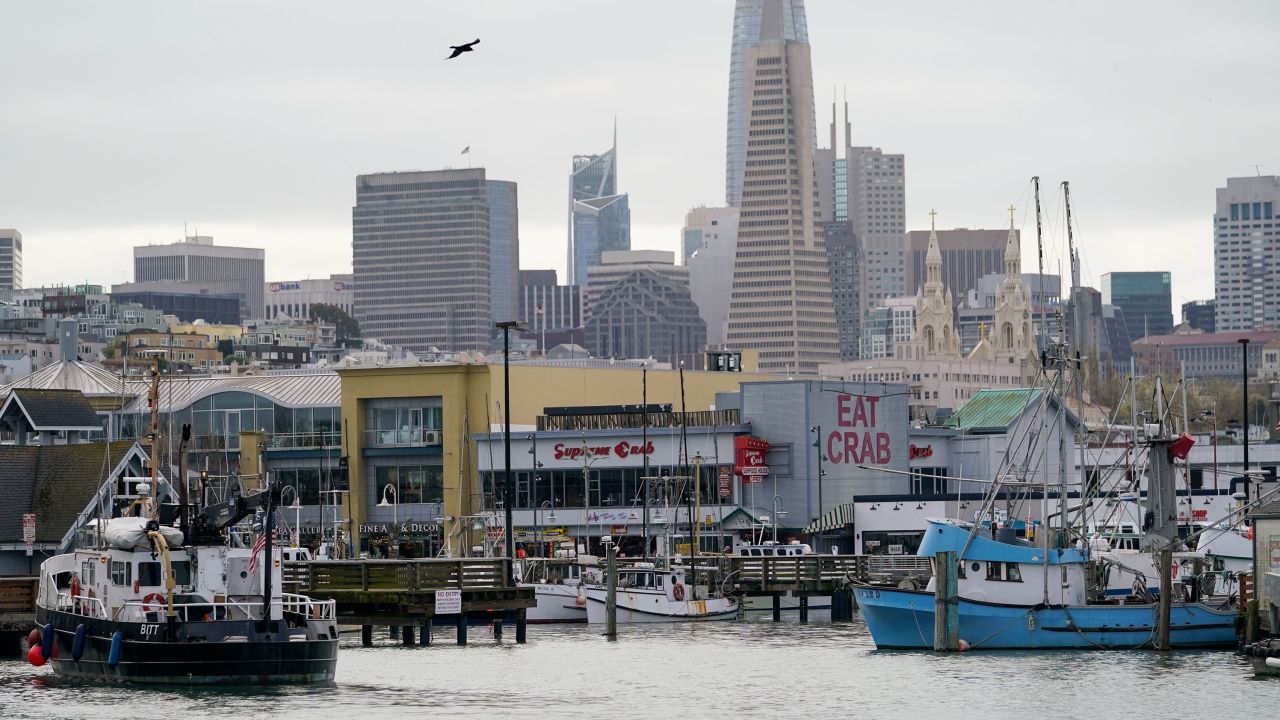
(146, 601)
(677, 591)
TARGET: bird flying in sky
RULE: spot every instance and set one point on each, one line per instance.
(459, 49)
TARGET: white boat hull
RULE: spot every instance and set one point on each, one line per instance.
(557, 604)
(654, 607)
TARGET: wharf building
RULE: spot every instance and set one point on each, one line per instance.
(781, 303)
(422, 255)
(1246, 254)
(10, 261)
(195, 266)
(599, 216)
(410, 439)
(710, 241)
(639, 306)
(294, 298)
(1145, 298)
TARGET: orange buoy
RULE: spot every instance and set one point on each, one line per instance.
(34, 656)
(33, 638)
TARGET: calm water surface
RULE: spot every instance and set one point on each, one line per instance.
(715, 670)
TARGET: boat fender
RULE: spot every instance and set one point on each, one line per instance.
(117, 643)
(77, 645)
(581, 599)
(33, 638)
(34, 656)
(46, 641)
(677, 591)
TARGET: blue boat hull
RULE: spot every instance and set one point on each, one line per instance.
(903, 619)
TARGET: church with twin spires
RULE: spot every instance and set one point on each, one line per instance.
(931, 364)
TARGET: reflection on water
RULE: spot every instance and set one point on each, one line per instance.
(749, 669)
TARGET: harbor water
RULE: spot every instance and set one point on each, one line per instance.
(714, 670)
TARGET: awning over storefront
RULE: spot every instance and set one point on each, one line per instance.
(837, 518)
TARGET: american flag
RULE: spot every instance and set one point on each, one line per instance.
(258, 546)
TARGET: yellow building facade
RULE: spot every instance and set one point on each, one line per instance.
(415, 424)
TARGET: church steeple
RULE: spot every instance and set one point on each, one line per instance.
(933, 258)
(1012, 251)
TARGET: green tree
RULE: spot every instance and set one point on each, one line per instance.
(348, 329)
(227, 348)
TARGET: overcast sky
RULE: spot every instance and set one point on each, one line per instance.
(120, 122)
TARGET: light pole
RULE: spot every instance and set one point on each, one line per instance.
(778, 512)
(550, 517)
(296, 507)
(817, 444)
(1213, 441)
(395, 506)
(509, 490)
(1244, 406)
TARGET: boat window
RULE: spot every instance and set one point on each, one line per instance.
(182, 572)
(1012, 573)
(121, 573)
(993, 571)
(960, 569)
(149, 574)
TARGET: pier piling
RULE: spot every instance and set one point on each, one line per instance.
(406, 635)
(497, 629)
(946, 608)
(522, 626)
(426, 632)
(462, 629)
(777, 607)
(366, 635)
(611, 595)
(804, 609)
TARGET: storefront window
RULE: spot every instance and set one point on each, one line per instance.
(411, 483)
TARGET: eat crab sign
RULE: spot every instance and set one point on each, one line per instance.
(856, 441)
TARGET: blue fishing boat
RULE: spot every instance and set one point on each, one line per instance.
(1001, 602)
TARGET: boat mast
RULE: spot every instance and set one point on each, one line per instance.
(153, 432)
(1044, 485)
(1077, 329)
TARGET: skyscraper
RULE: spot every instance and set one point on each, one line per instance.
(1246, 254)
(504, 250)
(599, 217)
(638, 305)
(878, 210)
(10, 259)
(197, 266)
(421, 249)
(1145, 298)
(710, 238)
(748, 18)
(967, 255)
(781, 302)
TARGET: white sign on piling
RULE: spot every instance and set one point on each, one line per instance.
(448, 602)
(29, 532)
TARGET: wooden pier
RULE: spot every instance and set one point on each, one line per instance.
(17, 611)
(403, 593)
(807, 576)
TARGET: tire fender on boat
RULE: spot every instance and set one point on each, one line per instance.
(117, 643)
(77, 646)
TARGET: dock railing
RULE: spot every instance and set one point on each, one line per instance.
(820, 573)
(335, 577)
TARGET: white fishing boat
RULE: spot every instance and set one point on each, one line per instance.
(557, 586)
(787, 601)
(647, 594)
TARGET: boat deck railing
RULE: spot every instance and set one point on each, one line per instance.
(145, 612)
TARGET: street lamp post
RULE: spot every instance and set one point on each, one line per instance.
(296, 507)
(778, 512)
(817, 444)
(550, 517)
(1244, 406)
(509, 490)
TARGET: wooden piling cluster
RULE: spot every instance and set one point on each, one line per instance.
(807, 576)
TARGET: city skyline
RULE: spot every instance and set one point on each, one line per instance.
(116, 150)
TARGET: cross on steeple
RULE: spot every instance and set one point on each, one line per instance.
(933, 219)
(1012, 211)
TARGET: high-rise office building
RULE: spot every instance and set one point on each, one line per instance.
(781, 302)
(748, 19)
(195, 266)
(710, 238)
(421, 247)
(1200, 314)
(967, 255)
(548, 307)
(844, 265)
(877, 209)
(599, 216)
(1145, 298)
(10, 259)
(504, 250)
(1246, 254)
(639, 306)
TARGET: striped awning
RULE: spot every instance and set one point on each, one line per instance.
(837, 518)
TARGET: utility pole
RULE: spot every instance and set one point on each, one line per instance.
(509, 486)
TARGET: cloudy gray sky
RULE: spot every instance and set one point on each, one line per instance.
(249, 121)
